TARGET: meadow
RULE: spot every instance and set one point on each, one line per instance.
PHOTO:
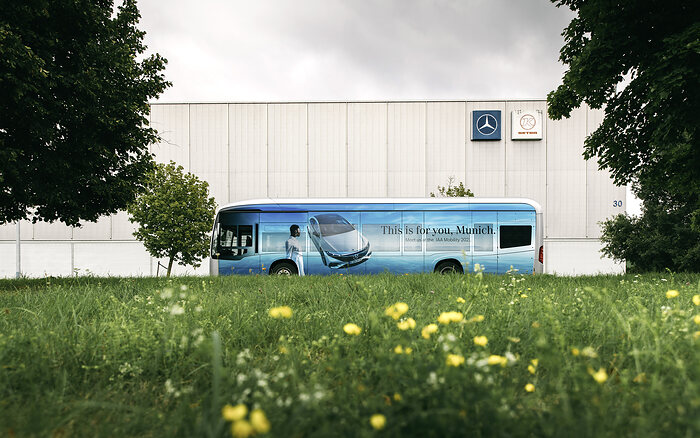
(414, 355)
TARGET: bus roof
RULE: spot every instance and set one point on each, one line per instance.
(383, 204)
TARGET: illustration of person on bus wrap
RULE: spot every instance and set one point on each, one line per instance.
(293, 248)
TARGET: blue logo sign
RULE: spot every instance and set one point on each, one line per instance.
(486, 125)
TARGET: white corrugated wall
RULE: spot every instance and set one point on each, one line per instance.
(350, 149)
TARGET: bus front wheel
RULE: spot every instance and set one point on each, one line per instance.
(284, 268)
(449, 267)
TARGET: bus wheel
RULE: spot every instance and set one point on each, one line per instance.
(449, 267)
(284, 268)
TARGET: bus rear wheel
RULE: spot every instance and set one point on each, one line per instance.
(284, 268)
(449, 267)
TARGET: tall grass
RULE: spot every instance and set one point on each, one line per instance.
(613, 356)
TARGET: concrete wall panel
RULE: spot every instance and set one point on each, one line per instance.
(100, 230)
(367, 149)
(603, 199)
(446, 136)
(287, 151)
(122, 229)
(112, 258)
(566, 177)
(328, 165)
(406, 149)
(46, 258)
(209, 148)
(486, 165)
(578, 257)
(173, 125)
(526, 170)
(248, 151)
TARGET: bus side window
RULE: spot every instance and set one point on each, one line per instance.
(234, 240)
(513, 236)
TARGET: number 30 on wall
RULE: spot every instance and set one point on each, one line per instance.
(617, 203)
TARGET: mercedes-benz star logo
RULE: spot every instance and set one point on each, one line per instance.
(486, 124)
(528, 121)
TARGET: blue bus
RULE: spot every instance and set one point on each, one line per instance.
(366, 236)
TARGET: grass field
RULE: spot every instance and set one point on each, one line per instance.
(518, 356)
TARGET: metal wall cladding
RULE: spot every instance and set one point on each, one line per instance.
(406, 149)
(287, 151)
(566, 177)
(328, 150)
(367, 149)
(525, 160)
(209, 146)
(603, 199)
(446, 134)
(247, 157)
(486, 164)
(173, 125)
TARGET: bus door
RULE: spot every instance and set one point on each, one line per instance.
(516, 241)
(382, 231)
(447, 239)
(235, 243)
(484, 240)
(336, 244)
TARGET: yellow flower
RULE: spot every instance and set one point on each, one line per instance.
(495, 359)
(448, 317)
(398, 349)
(397, 397)
(696, 335)
(481, 341)
(454, 360)
(242, 429)
(408, 350)
(524, 296)
(531, 369)
(352, 329)
(575, 351)
(477, 318)
(281, 312)
(234, 413)
(599, 376)
(378, 421)
(671, 293)
(406, 324)
(396, 310)
(283, 349)
(428, 330)
(535, 362)
(696, 300)
(530, 387)
(259, 421)
(461, 300)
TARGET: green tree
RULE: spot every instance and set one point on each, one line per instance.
(640, 61)
(452, 190)
(74, 91)
(175, 215)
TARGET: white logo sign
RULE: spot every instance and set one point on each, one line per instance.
(526, 125)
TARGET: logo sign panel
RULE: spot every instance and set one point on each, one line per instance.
(526, 125)
(486, 125)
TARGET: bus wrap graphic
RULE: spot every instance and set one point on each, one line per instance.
(360, 237)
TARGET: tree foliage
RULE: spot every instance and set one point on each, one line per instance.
(657, 240)
(74, 97)
(640, 61)
(452, 190)
(649, 135)
(175, 215)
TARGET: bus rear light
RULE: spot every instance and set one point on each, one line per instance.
(541, 254)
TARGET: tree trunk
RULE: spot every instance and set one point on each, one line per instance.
(170, 266)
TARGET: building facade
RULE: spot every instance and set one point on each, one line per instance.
(504, 148)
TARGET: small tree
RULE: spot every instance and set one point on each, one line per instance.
(174, 214)
(453, 191)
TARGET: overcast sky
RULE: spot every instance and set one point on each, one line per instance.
(299, 50)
